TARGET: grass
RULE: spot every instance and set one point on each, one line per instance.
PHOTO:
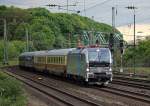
(11, 63)
(138, 70)
(141, 72)
(11, 91)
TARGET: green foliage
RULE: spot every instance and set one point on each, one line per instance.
(60, 42)
(1, 50)
(142, 54)
(11, 93)
(43, 36)
(14, 49)
(46, 30)
(39, 12)
(19, 32)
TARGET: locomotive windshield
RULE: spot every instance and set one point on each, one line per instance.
(99, 57)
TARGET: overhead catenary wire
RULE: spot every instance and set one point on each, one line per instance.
(86, 9)
(137, 21)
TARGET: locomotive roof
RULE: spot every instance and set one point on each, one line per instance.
(60, 51)
(57, 52)
(88, 49)
(32, 53)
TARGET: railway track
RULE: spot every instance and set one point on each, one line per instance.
(110, 89)
(56, 93)
(144, 84)
(125, 93)
(131, 78)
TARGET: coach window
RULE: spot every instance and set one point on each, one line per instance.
(41, 59)
(38, 59)
(48, 60)
(63, 60)
(59, 60)
(52, 59)
(56, 60)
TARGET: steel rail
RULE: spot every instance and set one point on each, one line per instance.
(56, 89)
(124, 93)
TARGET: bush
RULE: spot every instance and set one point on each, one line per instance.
(11, 93)
(14, 49)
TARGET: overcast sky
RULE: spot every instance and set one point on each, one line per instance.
(100, 10)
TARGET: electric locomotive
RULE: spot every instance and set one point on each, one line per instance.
(92, 65)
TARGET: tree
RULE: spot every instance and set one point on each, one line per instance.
(142, 54)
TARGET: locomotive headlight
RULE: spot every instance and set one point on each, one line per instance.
(110, 69)
(87, 69)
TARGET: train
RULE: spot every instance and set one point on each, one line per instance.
(91, 65)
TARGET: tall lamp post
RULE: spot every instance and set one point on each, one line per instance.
(133, 8)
